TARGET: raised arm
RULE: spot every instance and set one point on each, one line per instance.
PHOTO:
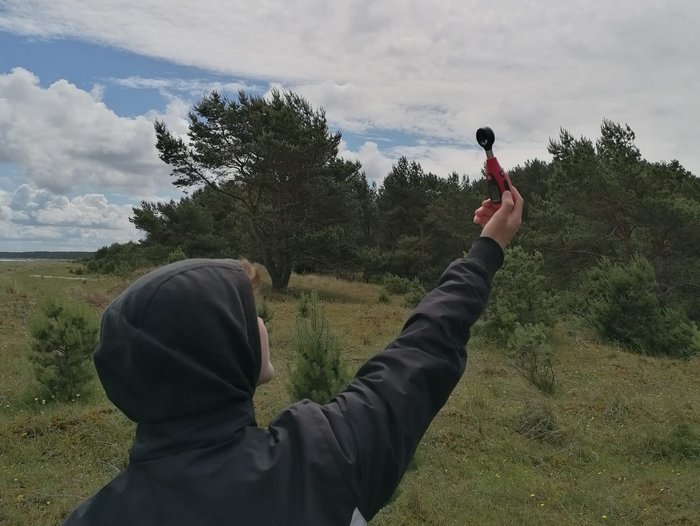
(379, 420)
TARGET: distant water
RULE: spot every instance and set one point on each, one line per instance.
(15, 260)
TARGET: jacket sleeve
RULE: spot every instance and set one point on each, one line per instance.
(379, 420)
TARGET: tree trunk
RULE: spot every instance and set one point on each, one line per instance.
(279, 266)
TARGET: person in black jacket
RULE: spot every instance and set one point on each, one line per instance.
(181, 352)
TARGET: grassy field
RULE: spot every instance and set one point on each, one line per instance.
(618, 443)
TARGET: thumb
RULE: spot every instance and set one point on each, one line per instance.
(507, 202)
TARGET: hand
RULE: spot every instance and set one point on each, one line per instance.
(500, 222)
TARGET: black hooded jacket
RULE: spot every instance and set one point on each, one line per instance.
(179, 354)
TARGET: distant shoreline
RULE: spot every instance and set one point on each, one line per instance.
(26, 260)
(44, 256)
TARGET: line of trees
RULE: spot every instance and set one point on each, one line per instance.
(265, 181)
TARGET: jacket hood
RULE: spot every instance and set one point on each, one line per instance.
(181, 343)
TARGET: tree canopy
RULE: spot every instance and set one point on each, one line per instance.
(603, 200)
(277, 162)
(270, 186)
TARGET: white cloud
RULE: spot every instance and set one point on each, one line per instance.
(89, 211)
(375, 164)
(440, 159)
(67, 139)
(438, 69)
(197, 87)
(44, 221)
(174, 117)
(5, 211)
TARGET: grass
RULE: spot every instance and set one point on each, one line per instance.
(618, 442)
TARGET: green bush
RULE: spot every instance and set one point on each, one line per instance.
(396, 284)
(318, 372)
(679, 336)
(415, 293)
(384, 296)
(519, 296)
(128, 257)
(306, 299)
(176, 255)
(620, 301)
(532, 356)
(373, 262)
(64, 336)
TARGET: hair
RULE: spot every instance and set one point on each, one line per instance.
(252, 272)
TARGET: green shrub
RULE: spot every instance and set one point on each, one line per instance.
(384, 296)
(306, 299)
(620, 301)
(318, 372)
(415, 293)
(176, 255)
(64, 336)
(396, 284)
(519, 296)
(127, 257)
(678, 337)
(373, 262)
(532, 356)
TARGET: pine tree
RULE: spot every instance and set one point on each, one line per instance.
(64, 335)
(318, 372)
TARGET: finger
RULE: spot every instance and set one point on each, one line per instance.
(484, 212)
(507, 202)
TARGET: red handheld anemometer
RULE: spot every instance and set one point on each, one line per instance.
(497, 179)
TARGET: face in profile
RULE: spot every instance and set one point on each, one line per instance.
(267, 371)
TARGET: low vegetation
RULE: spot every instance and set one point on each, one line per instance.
(621, 302)
(617, 441)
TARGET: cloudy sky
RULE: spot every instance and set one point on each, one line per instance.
(81, 83)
